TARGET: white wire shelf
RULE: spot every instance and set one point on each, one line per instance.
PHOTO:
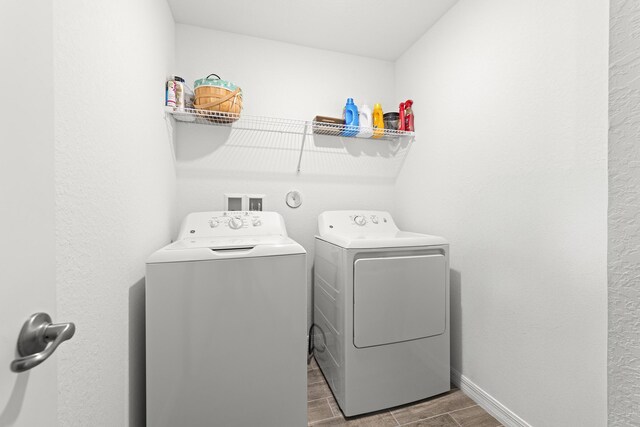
(251, 127)
(274, 124)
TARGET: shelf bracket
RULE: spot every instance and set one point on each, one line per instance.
(304, 138)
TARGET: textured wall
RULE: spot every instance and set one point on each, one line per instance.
(510, 165)
(115, 197)
(624, 214)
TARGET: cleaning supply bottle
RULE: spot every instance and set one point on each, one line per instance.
(401, 125)
(366, 129)
(408, 116)
(378, 121)
(170, 94)
(180, 94)
(351, 119)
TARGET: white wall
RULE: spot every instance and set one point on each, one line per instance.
(282, 80)
(624, 206)
(115, 197)
(510, 165)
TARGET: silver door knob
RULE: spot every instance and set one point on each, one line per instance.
(38, 339)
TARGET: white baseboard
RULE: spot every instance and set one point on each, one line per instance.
(486, 401)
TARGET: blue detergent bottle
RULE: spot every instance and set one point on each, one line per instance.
(351, 121)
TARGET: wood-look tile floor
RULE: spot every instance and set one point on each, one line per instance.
(452, 409)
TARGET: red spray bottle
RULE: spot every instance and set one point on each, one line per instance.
(408, 116)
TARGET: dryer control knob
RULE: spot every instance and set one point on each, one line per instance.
(256, 222)
(213, 223)
(235, 223)
(360, 220)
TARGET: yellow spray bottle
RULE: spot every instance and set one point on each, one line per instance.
(378, 121)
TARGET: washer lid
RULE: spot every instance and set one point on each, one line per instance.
(369, 229)
(225, 235)
(202, 249)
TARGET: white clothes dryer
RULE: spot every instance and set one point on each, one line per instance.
(381, 311)
(226, 324)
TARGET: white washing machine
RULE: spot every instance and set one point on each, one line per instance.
(381, 311)
(226, 324)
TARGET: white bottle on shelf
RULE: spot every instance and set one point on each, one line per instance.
(366, 124)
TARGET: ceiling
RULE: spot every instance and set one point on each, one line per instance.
(381, 29)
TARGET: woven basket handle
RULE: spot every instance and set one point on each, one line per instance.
(212, 74)
(217, 102)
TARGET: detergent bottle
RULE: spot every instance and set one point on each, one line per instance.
(366, 129)
(378, 121)
(351, 119)
(401, 124)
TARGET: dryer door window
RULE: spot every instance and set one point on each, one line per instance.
(398, 299)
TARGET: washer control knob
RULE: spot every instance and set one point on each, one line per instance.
(257, 222)
(374, 219)
(360, 220)
(235, 223)
(213, 223)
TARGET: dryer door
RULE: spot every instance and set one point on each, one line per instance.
(398, 299)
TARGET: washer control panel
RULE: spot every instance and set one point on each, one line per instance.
(232, 223)
(356, 223)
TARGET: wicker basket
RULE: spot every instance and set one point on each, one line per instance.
(219, 101)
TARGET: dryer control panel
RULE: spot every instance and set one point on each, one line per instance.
(356, 223)
(232, 224)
